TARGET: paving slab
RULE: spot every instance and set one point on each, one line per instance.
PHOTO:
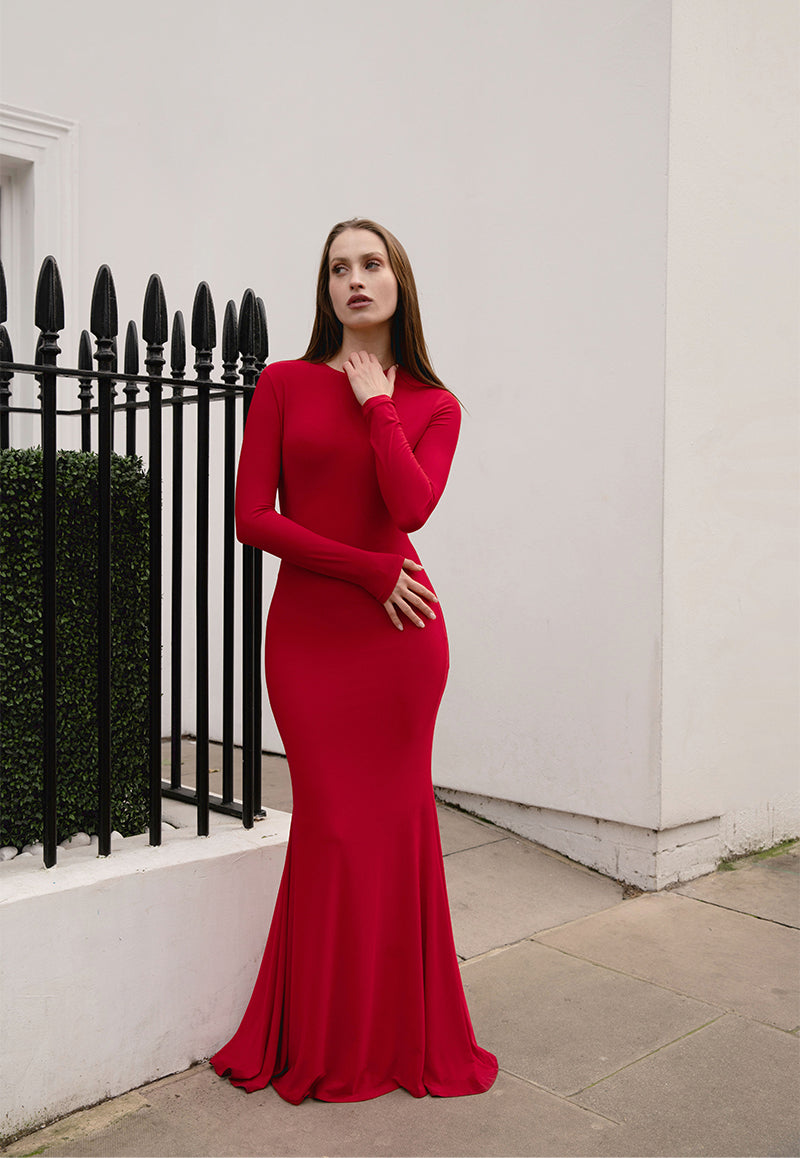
(565, 1023)
(459, 831)
(730, 1089)
(768, 888)
(726, 958)
(504, 891)
(197, 1114)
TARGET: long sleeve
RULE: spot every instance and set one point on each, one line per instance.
(412, 481)
(259, 524)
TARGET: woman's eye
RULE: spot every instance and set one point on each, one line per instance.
(373, 261)
(337, 269)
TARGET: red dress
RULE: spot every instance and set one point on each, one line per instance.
(359, 989)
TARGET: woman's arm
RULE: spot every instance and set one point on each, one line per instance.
(260, 525)
(412, 481)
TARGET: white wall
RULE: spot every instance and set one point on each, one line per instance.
(549, 547)
(119, 970)
(731, 585)
(519, 151)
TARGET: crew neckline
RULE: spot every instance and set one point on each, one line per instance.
(335, 371)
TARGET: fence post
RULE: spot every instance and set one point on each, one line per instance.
(177, 360)
(204, 339)
(261, 354)
(104, 327)
(251, 684)
(49, 319)
(230, 360)
(154, 331)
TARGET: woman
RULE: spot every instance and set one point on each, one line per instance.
(359, 990)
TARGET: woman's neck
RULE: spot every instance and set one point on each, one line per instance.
(377, 342)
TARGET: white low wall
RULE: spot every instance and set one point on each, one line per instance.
(649, 858)
(119, 970)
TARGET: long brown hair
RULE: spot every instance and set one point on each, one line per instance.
(408, 342)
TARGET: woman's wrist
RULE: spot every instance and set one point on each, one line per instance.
(366, 404)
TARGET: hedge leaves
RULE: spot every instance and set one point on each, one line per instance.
(21, 819)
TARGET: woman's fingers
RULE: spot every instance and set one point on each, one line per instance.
(418, 602)
(396, 602)
(390, 611)
(409, 597)
(410, 613)
(416, 588)
(366, 376)
(410, 587)
(414, 584)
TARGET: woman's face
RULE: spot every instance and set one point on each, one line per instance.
(361, 282)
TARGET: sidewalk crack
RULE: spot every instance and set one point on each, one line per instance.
(483, 844)
(644, 1056)
(561, 1097)
(733, 909)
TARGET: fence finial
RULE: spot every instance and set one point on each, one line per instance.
(85, 352)
(247, 324)
(177, 349)
(230, 334)
(103, 323)
(6, 353)
(131, 362)
(204, 322)
(131, 366)
(262, 352)
(154, 316)
(49, 315)
(85, 392)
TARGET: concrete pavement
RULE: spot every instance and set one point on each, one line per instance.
(625, 1025)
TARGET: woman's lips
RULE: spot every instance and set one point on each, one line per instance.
(358, 301)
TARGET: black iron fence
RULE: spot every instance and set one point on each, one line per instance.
(69, 394)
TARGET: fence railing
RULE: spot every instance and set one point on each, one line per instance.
(68, 393)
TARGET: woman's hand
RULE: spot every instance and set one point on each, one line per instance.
(409, 597)
(367, 378)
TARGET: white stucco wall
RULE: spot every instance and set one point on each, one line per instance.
(519, 151)
(731, 646)
(119, 970)
(549, 549)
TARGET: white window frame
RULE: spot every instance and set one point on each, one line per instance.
(39, 206)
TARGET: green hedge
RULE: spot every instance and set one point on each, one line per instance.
(21, 819)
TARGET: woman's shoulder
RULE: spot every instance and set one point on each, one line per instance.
(437, 400)
(280, 377)
(291, 369)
